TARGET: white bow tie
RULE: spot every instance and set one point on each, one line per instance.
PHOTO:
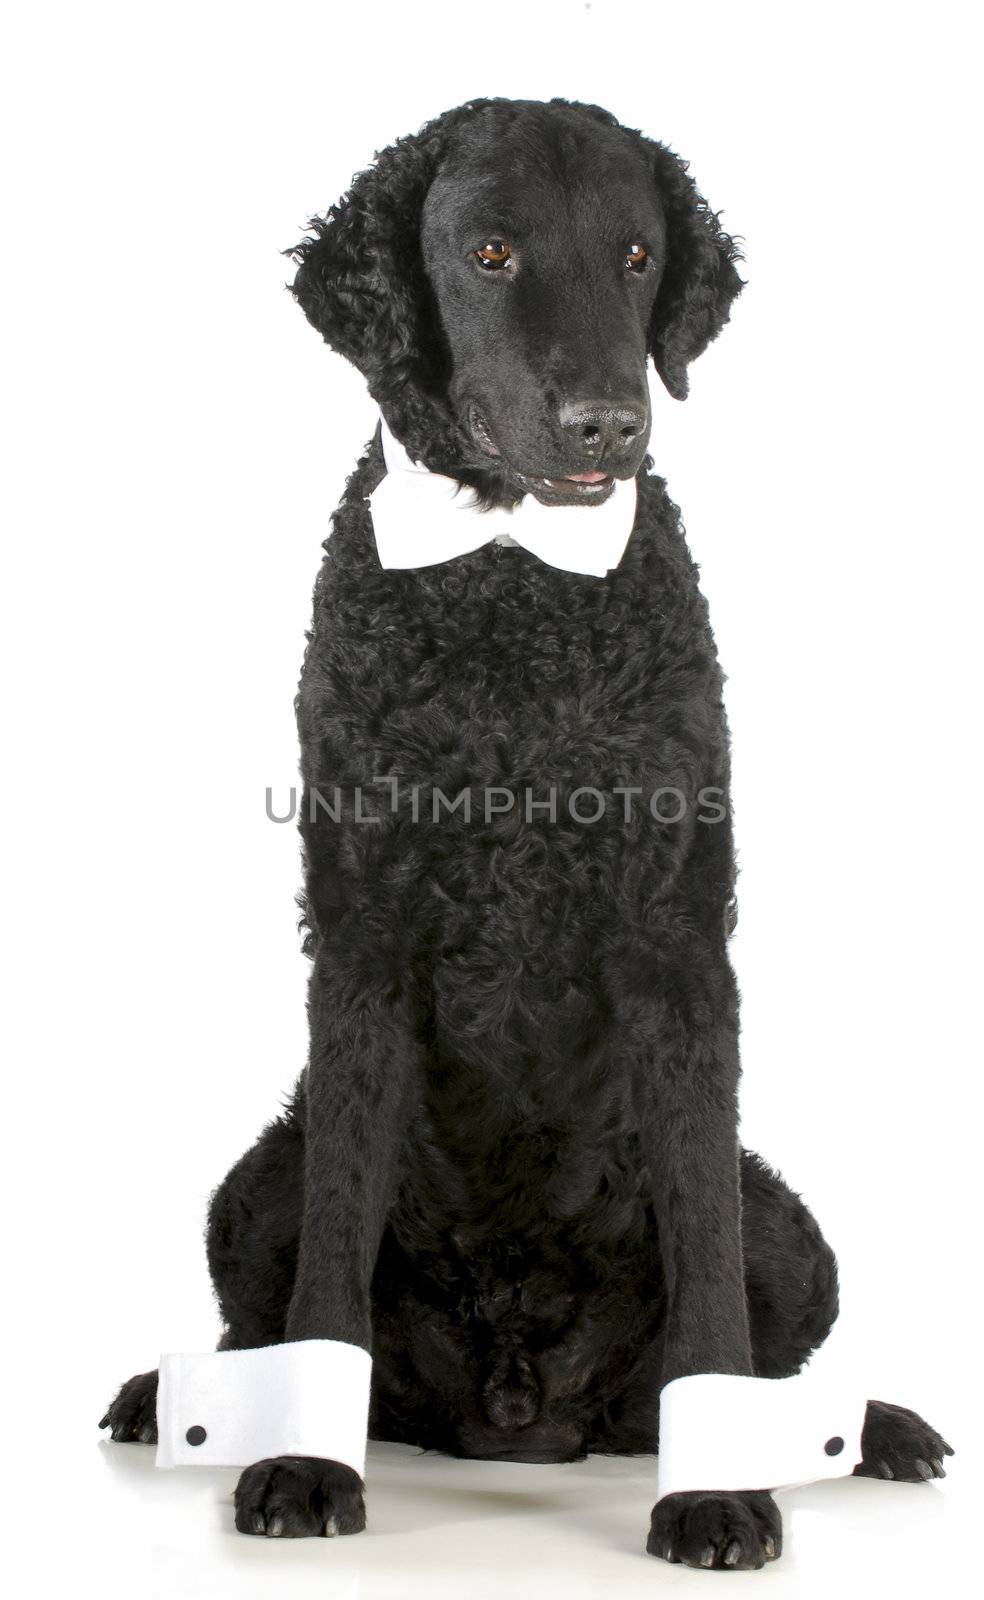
(421, 518)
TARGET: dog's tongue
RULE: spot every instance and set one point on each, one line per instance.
(586, 477)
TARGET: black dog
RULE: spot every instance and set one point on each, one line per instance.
(511, 1165)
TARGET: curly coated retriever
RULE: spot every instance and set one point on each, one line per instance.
(511, 1167)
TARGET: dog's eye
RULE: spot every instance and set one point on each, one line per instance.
(494, 255)
(636, 257)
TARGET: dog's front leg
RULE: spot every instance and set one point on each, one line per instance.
(686, 1095)
(359, 1082)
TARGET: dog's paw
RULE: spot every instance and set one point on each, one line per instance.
(132, 1416)
(896, 1443)
(290, 1497)
(702, 1529)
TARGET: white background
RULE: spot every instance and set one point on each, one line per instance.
(178, 439)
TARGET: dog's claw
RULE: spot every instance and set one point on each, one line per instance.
(297, 1497)
(716, 1530)
(132, 1416)
(899, 1444)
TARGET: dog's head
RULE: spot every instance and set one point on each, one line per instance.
(502, 277)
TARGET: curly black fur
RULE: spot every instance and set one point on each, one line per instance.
(511, 1165)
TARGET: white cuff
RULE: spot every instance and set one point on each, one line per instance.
(717, 1431)
(229, 1408)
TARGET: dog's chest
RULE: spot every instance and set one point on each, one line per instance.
(494, 674)
(512, 767)
(517, 763)
(512, 763)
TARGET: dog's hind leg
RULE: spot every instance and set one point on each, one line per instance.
(791, 1279)
(254, 1225)
(896, 1443)
(790, 1272)
(251, 1240)
(132, 1414)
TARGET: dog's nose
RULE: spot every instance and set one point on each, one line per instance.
(602, 427)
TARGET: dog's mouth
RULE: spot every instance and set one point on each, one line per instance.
(575, 488)
(579, 489)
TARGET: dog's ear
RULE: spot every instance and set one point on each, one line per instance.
(699, 280)
(360, 278)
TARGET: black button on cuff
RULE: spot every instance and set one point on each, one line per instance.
(834, 1446)
(196, 1435)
